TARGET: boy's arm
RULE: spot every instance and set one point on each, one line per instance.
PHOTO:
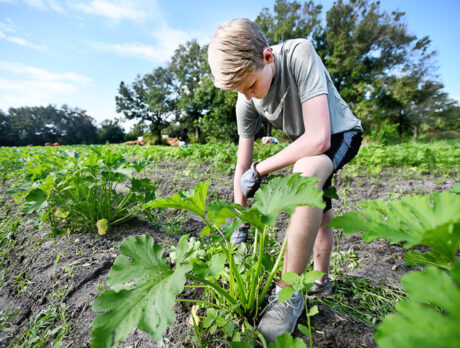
(315, 140)
(245, 152)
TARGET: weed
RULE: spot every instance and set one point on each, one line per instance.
(22, 283)
(363, 298)
(48, 328)
(6, 329)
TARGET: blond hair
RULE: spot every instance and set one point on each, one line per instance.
(235, 51)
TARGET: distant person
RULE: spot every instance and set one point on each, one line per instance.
(183, 137)
(289, 85)
(269, 140)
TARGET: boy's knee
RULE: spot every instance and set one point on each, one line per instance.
(318, 166)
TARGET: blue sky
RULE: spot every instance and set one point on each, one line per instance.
(76, 52)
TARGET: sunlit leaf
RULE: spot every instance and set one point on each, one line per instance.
(430, 316)
(102, 226)
(287, 341)
(193, 200)
(285, 193)
(142, 294)
(431, 220)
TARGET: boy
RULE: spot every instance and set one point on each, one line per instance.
(289, 85)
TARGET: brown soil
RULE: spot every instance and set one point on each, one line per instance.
(85, 259)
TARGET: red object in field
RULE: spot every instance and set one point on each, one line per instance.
(47, 143)
(29, 145)
(56, 144)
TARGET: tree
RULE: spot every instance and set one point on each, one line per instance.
(447, 118)
(40, 124)
(189, 68)
(110, 132)
(290, 20)
(138, 130)
(7, 135)
(76, 127)
(150, 98)
(219, 121)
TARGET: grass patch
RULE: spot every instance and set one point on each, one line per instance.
(363, 298)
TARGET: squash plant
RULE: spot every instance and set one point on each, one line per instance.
(143, 286)
(79, 190)
(430, 315)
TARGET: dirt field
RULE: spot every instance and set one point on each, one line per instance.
(72, 269)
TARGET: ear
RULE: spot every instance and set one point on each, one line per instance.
(267, 55)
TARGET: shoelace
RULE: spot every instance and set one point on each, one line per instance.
(278, 311)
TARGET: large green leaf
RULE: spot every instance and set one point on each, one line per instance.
(143, 293)
(430, 316)
(416, 258)
(432, 220)
(287, 341)
(193, 200)
(286, 193)
(35, 200)
(219, 211)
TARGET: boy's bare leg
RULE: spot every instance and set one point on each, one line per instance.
(323, 245)
(306, 221)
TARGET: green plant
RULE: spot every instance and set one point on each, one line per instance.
(429, 316)
(301, 283)
(5, 326)
(85, 191)
(283, 341)
(363, 298)
(48, 328)
(235, 279)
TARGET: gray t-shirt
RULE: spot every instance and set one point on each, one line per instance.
(300, 75)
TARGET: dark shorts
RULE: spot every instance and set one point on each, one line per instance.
(344, 147)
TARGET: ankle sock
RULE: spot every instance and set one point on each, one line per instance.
(278, 290)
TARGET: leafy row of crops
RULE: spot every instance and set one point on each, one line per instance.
(432, 158)
(89, 188)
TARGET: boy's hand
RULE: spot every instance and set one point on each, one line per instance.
(250, 181)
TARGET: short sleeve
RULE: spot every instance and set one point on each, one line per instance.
(247, 118)
(308, 70)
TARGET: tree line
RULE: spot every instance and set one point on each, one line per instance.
(50, 124)
(385, 73)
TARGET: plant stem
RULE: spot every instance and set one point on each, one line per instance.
(217, 288)
(234, 272)
(255, 278)
(308, 320)
(274, 270)
(199, 301)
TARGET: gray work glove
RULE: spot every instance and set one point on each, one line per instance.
(250, 181)
(240, 235)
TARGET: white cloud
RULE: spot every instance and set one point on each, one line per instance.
(40, 74)
(166, 42)
(8, 27)
(169, 39)
(114, 10)
(8, 32)
(131, 50)
(40, 4)
(56, 6)
(35, 3)
(33, 86)
(21, 41)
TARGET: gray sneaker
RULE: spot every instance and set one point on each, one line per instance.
(240, 235)
(280, 317)
(321, 289)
